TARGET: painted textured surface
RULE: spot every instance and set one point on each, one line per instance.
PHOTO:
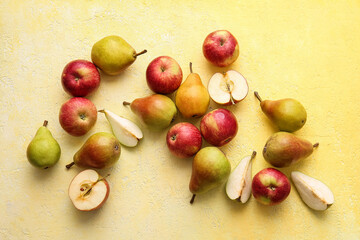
(308, 50)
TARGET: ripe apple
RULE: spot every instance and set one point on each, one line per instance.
(80, 78)
(221, 48)
(164, 75)
(219, 127)
(228, 88)
(270, 186)
(88, 190)
(184, 140)
(77, 116)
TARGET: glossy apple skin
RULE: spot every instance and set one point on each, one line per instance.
(164, 75)
(221, 48)
(80, 78)
(184, 140)
(270, 186)
(77, 116)
(219, 127)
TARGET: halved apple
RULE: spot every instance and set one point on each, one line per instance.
(88, 190)
(238, 186)
(228, 88)
(313, 192)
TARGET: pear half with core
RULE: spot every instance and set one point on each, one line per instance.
(43, 151)
(113, 54)
(127, 132)
(238, 186)
(313, 192)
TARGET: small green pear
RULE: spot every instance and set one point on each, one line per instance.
(192, 98)
(43, 151)
(283, 149)
(287, 114)
(210, 169)
(156, 111)
(113, 54)
(101, 150)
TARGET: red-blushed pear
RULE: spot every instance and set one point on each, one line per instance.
(80, 78)
(184, 140)
(101, 150)
(77, 116)
(221, 48)
(210, 169)
(228, 88)
(219, 127)
(164, 75)
(88, 190)
(270, 186)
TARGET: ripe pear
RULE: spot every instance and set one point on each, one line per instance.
(113, 54)
(283, 149)
(192, 98)
(287, 114)
(101, 150)
(156, 111)
(43, 151)
(210, 169)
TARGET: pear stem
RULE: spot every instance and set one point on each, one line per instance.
(191, 71)
(316, 145)
(253, 154)
(192, 199)
(45, 123)
(70, 165)
(125, 103)
(257, 96)
(140, 53)
(102, 111)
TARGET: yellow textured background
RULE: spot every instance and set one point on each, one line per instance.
(308, 50)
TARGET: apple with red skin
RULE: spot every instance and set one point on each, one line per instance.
(80, 78)
(164, 75)
(219, 127)
(77, 116)
(270, 186)
(184, 140)
(221, 48)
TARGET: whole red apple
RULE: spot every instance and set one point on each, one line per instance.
(77, 116)
(184, 140)
(270, 186)
(164, 75)
(80, 78)
(219, 127)
(221, 48)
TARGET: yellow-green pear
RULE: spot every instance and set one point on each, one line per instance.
(43, 151)
(192, 98)
(113, 54)
(287, 114)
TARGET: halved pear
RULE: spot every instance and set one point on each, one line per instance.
(228, 88)
(313, 192)
(127, 132)
(238, 186)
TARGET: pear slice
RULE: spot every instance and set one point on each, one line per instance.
(228, 88)
(238, 186)
(127, 132)
(313, 192)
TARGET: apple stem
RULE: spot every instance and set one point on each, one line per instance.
(70, 165)
(191, 71)
(316, 145)
(125, 103)
(192, 199)
(257, 96)
(102, 111)
(45, 123)
(140, 53)
(93, 184)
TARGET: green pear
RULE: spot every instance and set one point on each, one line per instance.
(210, 169)
(192, 98)
(287, 114)
(113, 54)
(156, 111)
(43, 151)
(101, 150)
(283, 149)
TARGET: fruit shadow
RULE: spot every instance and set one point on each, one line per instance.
(43, 175)
(234, 205)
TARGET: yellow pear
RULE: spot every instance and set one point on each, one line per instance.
(192, 98)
